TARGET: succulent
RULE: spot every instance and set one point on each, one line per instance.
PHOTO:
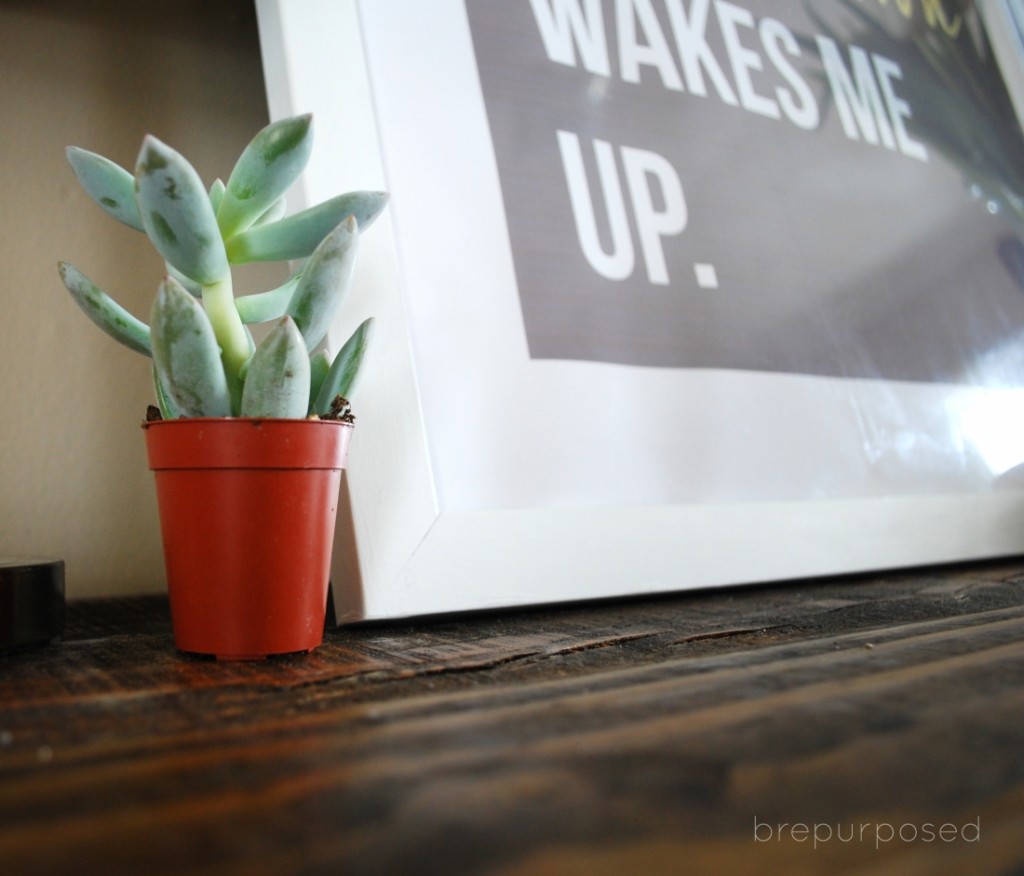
(205, 362)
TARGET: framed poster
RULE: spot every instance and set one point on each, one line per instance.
(670, 293)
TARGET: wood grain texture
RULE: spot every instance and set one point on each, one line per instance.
(647, 736)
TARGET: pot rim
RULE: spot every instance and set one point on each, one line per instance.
(247, 443)
(250, 420)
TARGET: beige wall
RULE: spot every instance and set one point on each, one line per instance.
(73, 478)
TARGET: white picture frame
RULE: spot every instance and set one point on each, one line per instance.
(480, 478)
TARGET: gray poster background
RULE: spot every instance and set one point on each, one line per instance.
(833, 257)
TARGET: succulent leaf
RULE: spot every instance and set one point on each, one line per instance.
(186, 354)
(177, 214)
(107, 183)
(324, 282)
(168, 410)
(190, 285)
(105, 311)
(274, 212)
(319, 366)
(296, 236)
(266, 168)
(266, 306)
(277, 382)
(216, 194)
(341, 379)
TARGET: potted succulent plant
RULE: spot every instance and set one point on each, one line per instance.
(247, 442)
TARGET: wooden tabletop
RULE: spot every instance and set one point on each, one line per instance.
(870, 724)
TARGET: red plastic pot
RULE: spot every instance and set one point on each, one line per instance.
(247, 510)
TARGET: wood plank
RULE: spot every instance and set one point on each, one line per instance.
(646, 736)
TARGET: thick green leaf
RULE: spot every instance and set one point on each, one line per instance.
(341, 379)
(296, 236)
(186, 354)
(319, 366)
(266, 168)
(250, 339)
(190, 286)
(216, 194)
(324, 282)
(105, 311)
(168, 410)
(266, 306)
(108, 184)
(177, 214)
(274, 212)
(277, 382)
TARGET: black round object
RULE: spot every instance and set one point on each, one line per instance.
(31, 602)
